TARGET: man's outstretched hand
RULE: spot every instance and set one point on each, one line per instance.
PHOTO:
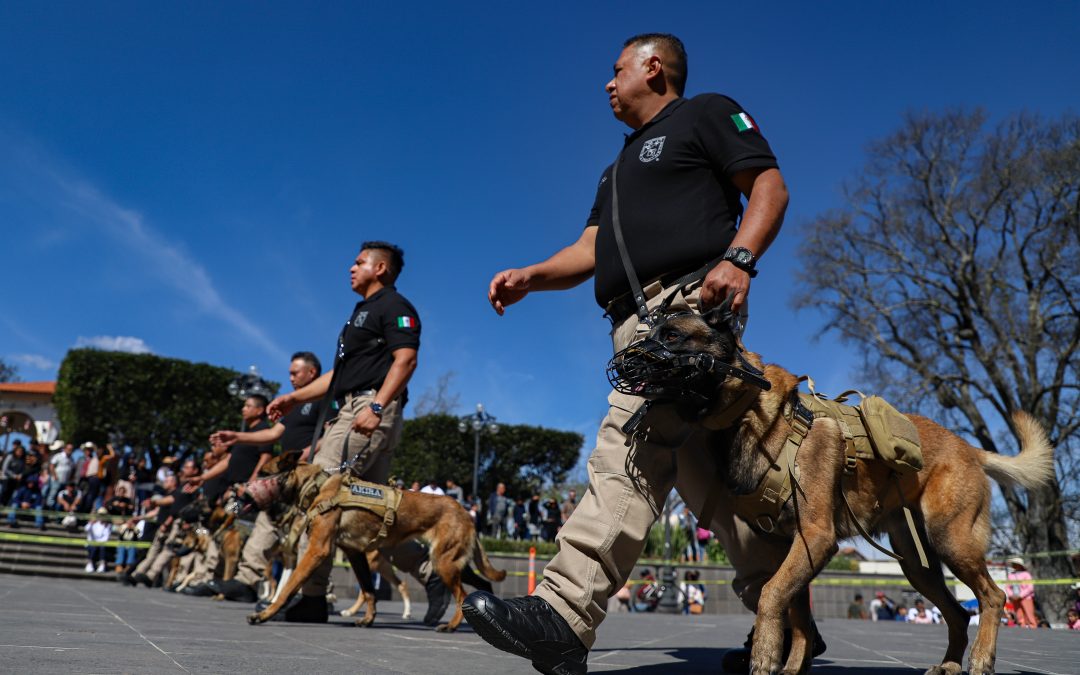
(508, 287)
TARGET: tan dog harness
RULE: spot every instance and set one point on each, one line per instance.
(382, 500)
(877, 432)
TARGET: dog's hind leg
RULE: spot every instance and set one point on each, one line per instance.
(320, 544)
(930, 582)
(450, 558)
(961, 540)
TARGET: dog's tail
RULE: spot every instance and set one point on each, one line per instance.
(1033, 467)
(483, 565)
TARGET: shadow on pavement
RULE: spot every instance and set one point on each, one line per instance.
(694, 660)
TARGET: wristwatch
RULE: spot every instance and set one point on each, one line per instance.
(376, 408)
(743, 258)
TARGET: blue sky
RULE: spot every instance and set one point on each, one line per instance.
(194, 179)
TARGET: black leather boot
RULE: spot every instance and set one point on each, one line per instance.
(237, 591)
(438, 598)
(527, 627)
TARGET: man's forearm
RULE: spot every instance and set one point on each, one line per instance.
(568, 267)
(262, 436)
(397, 379)
(767, 201)
(314, 390)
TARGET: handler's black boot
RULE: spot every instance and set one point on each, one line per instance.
(438, 598)
(199, 591)
(237, 591)
(310, 609)
(527, 627)
(737, 661)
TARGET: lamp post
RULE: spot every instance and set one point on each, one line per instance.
(478, 421)
(250, 383)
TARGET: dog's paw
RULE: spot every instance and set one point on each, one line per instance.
(347, 612)
(218, 598)
(254, 619)
(406, 616)
(948, 668)
(444, 628)
(364, 622)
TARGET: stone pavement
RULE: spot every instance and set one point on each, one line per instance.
(78, 626)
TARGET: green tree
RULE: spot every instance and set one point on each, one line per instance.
(166, 406)
(955, 269)
(524, 457)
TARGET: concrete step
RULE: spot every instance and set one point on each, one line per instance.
(60, 554)
(63, 572)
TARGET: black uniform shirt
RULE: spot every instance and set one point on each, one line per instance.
(677, 204)
(245, 457)
(300, 426)
(388, 316)
(180, 500)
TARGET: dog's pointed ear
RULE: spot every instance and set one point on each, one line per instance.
(719, 317)
(287, 461)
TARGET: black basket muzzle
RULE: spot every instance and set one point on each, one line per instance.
(649, 370)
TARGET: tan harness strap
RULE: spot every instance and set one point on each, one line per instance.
(911, 524)
(762, 507)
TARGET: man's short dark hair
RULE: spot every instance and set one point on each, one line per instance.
(258, 398)
(675, 67)
(395, 257)
(310, 359)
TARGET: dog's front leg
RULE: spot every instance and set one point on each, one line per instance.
(362, 570)
(802, 634)
(320, 538)
(814, 545)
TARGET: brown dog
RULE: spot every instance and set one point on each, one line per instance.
(440, 520)
(950, 498)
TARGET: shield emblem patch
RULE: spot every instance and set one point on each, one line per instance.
(650, 151)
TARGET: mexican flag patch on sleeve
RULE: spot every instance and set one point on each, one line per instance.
(406, 322)
(744, 122)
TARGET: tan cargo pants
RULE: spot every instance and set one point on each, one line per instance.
(372, 462)
(602, 540)
(159, 554)
(260, 542)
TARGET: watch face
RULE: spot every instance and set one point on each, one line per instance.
(743, 256)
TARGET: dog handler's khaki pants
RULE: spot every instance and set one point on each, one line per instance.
(372, 463)
(256, 553)
(159, 554)
(604, 537)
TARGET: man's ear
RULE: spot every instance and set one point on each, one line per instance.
(719, 317)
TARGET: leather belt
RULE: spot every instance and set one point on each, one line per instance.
(623, 307)
(350, 395)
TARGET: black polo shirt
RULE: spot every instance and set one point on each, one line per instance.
(244, 457)
(379, 325)
(300, 426)
(677, 205)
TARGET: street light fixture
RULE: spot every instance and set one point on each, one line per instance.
(478, 422)
(250, 384)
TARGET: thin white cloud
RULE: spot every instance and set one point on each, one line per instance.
(56, 184)
(115, 343)
(36, 361)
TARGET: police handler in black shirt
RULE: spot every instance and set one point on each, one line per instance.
(243, 461)
(376, 357)
(295, 431)
(682, 173)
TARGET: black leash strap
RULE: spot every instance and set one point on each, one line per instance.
(631, 275)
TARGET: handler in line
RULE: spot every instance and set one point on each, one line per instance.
(681, 175)
(376, 357)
